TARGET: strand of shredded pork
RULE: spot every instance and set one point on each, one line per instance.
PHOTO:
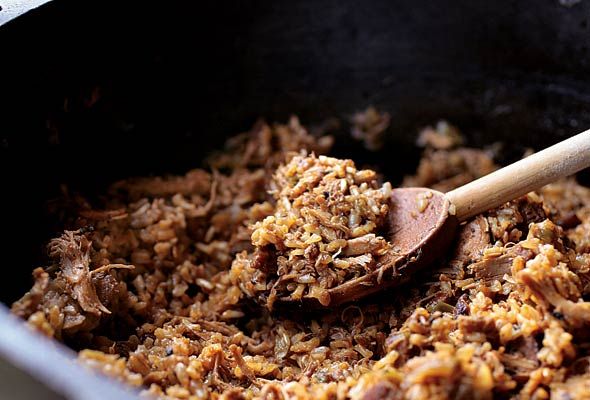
(149, 295)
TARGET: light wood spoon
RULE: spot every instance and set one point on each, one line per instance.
(424, 221)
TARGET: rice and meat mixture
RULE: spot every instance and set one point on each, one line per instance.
(154, 285)
(321, 234)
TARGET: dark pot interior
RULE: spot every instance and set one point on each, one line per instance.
(94, 91)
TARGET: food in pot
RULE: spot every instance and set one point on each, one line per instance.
(154, 285)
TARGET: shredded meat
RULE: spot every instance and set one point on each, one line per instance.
(73, 299)
(369, 127)
(472, 239)
(73, 253)
(442, 137)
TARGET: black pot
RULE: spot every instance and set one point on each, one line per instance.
(94, 91)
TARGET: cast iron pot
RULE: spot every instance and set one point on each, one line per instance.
(94, 91)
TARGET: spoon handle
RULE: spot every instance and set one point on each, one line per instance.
(558, 161)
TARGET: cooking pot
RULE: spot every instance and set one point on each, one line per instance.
(95, 91)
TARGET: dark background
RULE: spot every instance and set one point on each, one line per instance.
(92, 91)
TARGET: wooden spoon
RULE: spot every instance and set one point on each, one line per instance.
(424, 221)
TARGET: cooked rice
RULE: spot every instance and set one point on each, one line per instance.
(144, 287)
